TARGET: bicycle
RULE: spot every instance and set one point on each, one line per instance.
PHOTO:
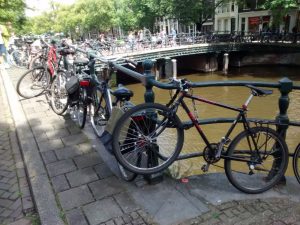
(152, 134)
(93, 94)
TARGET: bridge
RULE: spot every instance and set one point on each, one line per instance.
(203, 52)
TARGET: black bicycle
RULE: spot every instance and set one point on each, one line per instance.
(149, 137)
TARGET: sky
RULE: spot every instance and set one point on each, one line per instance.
(42, 5)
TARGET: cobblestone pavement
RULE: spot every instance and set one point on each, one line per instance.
(88, 193)
(251, 212)
(15, 197)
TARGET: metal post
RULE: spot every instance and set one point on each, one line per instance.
(225, 63)
(149, 97)
(286, 86)
(174, 63)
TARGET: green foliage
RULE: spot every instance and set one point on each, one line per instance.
(11, 10)
(279, 9)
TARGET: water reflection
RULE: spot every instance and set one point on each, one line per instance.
(260, 107)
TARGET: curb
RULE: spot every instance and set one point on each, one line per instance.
(43, 194)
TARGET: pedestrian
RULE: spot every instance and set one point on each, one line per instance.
(4, 35)
(294, 30)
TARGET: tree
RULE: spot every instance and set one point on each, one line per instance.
(280, 9)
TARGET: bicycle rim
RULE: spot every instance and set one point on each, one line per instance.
(266, 158)
(147, 131)
(59, 95)
(33, 83)
(296, 163)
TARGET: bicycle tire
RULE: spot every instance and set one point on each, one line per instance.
(81, 109)
(296, 163)
(19, 59)
(99, 112)
(59, 96)
(37, 80)
(254, 176)
(151, 130)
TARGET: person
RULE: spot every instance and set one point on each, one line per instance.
(4, 35)
(294, 30)
(174, 36)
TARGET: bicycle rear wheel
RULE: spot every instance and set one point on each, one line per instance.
(33, 83)
(100, 112)
(81, 109)
(296, 163)
(258, 160)
(149, 133)
(59, 95)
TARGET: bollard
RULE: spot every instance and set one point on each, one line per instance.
(149, 97)
(282, 119)
(174, 63)
(225, 63)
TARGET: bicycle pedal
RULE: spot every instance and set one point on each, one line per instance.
(205, 167)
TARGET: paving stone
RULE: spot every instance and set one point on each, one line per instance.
(106, 187)
(56, 134)
(87, 160)
(76, 217)
(5, 202)
(74, 139)
(103, 171)
(60, 167)
(60, 183)
(108, 208)
(126, 203)
(67, 152)
(49, 157)
(22, 221)
(82, 176)
(85, 148)
(73, 129)
(27, 204)
(50, 145)
(75, 197)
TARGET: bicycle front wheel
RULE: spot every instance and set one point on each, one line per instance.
(257, 160)
(33, 82)
(150, 134)
(296, 163)
(59, 95)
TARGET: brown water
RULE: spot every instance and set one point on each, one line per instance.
(260, 107)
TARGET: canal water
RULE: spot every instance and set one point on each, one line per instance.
(260, 107)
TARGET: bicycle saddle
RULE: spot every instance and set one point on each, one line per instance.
(81, 62)
(122, 93)
(258, 91)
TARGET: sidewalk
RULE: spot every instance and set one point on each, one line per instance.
(15, 197)
(75, 181)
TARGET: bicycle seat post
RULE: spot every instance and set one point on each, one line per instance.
(245, 105)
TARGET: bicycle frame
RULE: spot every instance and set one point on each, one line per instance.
(240, 117)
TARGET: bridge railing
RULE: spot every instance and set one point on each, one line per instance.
(123, 45)
(281, 121)
(284, 85)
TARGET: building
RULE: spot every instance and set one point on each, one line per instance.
(250, 17)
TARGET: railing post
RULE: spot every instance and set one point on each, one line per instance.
(282, 119)
(286, 86)
(149, 94)
(149, 97)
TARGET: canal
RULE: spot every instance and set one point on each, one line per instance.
(260, 107)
